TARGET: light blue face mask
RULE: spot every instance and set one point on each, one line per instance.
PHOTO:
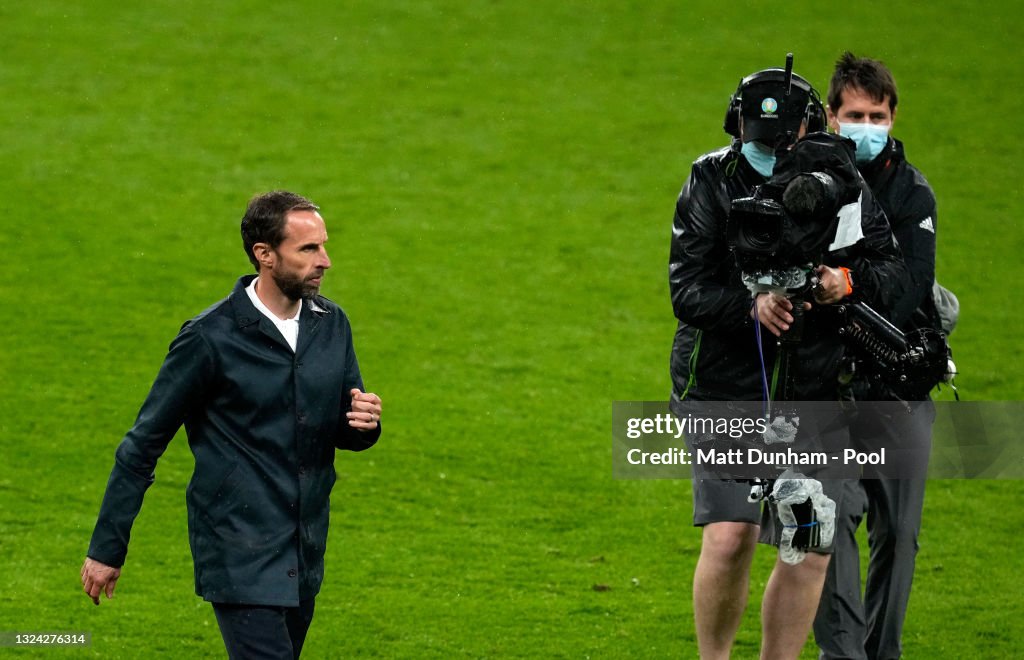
(760, 157)
(869, 138)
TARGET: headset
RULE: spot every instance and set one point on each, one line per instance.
(814, 114)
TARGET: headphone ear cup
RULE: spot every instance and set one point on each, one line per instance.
(816, 120)
(732, 117)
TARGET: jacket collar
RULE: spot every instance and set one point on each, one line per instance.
(247, 315)
(881, 168)
(245, 312)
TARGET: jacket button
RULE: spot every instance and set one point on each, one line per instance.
(291, 572)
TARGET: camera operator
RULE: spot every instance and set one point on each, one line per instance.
(717, 357)
(862, 107)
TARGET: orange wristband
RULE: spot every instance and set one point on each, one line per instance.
(849, 280)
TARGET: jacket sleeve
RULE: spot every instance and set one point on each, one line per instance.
(879, 274)
(699, 261)
(915, 231)
(347, 437)
(178, 387)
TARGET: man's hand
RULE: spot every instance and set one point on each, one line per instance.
(99, 578)
(366, 408)
(774, 312)
(832, 285)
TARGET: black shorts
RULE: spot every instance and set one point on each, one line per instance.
(717, 500)
(720, 500)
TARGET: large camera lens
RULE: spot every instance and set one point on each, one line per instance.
(761, 236)
(757, 226)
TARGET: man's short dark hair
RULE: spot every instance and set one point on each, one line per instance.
(864, 73)
(265, 217)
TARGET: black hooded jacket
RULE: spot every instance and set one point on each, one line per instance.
(715, 355)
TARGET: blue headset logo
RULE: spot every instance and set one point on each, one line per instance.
(769, 105)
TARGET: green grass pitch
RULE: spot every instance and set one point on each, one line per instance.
(498, 181)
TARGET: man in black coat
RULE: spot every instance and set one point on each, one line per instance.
(862, 106)
(718, 355)
(267, 385)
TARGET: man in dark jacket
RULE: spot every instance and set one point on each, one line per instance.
(267, 385)
(717, 356)
(862, 106)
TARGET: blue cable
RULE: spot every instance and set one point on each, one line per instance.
(760, 354)
(810, 524)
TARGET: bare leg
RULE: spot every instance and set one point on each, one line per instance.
(721, 583)
(790, 602)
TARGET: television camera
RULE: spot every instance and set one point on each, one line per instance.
(781, 232)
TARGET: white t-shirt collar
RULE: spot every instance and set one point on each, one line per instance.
(289, 328)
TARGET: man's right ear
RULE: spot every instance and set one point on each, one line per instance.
(264, 255)
(833, 123)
